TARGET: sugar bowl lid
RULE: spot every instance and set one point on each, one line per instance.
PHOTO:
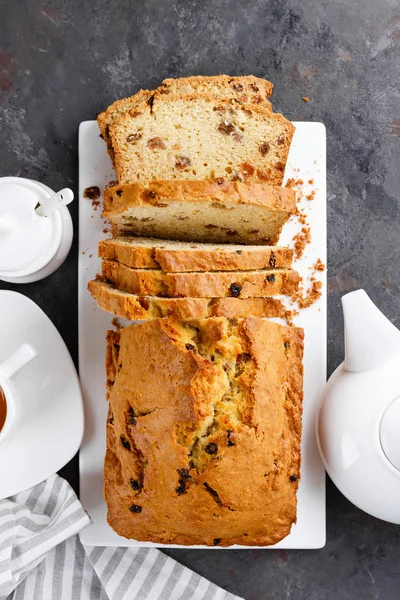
(28, 241)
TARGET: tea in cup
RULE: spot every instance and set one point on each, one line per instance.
(9, 398)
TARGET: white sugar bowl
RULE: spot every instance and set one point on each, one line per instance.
(35, 229)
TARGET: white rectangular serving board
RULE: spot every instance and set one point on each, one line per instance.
(307, 161)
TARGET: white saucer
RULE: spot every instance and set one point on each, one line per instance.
(50, 433)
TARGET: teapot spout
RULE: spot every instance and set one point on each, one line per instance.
(370, 338)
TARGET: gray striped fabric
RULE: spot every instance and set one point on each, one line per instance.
(41, 556)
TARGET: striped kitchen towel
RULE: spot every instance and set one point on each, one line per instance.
(42, 558)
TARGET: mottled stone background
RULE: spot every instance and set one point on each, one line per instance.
(63, 61)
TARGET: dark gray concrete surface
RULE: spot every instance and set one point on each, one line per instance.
(62, 61)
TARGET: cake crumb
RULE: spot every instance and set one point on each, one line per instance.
(319, 265)
(305, 99)
(93, 193)
(311, 181)
(311, 196)
(116, 323)
(304, 300)
(289, 316)
(294, 183)
(301, 240)
(290, 183)
(311, 296)
(301, 215)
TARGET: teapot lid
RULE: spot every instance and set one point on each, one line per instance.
(27, 241)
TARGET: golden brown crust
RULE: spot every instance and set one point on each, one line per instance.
(243, 89)
(101, 121)
(118, 199)
(141, 307)
(216, 284)
(230, 429)
(136, 256)
(186, 257)
(193, 82)
(112, 349)
(135, 308)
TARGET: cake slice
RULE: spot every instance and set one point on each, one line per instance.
(200, 211)
(217, 284)
(145, 253)
(136, 308)
(204, 431)
(200, 137)
(241, 89)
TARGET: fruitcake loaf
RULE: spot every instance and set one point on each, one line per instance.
(136, 308)
(148, 253)
(200, 137)
(216, 284)
(217, 211)
(203, 431)
(241, 89)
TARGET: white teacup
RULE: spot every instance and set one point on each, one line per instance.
(8, 369)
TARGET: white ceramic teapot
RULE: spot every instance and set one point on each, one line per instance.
(358, 424)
